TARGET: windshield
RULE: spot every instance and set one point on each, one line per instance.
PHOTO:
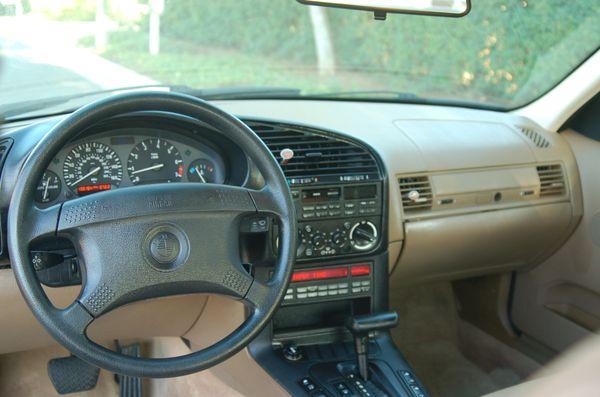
(503, 54)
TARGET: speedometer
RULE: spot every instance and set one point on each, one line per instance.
(92, 166)
(154, 160)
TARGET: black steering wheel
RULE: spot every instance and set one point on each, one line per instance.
(150, 241)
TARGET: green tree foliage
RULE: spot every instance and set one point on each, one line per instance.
(504, 52)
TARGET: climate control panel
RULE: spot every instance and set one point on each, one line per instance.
(320, 239)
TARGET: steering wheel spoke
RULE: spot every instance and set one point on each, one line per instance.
(76, 317)
(41, 222)
(269, 201)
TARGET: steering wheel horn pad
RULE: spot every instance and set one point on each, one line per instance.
(152, 240)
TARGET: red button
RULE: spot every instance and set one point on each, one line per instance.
(360, 270)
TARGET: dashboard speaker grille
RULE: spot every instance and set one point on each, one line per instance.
(552, 180)
(535, 137)
(416, 193)
(318, 158)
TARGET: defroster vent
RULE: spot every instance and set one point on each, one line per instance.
(318, 157)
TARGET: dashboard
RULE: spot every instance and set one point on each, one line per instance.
(385, 194)
(127, 157)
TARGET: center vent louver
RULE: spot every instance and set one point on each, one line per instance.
(416, 193)
(535, 137)
(318, 158)
(552, 180)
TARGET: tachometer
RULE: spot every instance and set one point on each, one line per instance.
(92, 166)
(154, 160)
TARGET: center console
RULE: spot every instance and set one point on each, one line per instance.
(341, 273)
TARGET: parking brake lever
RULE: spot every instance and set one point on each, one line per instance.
(362, 327)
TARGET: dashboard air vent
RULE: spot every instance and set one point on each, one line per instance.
(318, 158)
(416, 193)
(535, 137)
(552, 180)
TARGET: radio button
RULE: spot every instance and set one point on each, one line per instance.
(301, 296)
(343, 291)
(312, 294)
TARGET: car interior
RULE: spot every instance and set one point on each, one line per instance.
(168, 240)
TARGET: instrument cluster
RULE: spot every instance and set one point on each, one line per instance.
(128, 157)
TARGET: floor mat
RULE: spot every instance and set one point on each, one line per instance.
(452, 358)
(25, 374)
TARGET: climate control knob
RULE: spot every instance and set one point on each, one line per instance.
(318, 241)
(363, 235)
(338, 238)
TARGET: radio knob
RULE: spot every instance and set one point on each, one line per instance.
(363, 235)
(318, 241)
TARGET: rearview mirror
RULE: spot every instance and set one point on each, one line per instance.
(449, 8)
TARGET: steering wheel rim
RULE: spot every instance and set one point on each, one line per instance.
(127, 214)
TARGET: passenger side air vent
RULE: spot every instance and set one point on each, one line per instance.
(535, 137)
(318, 158)
(552, 180)
(416, 193)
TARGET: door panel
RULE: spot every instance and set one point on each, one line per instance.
(558, 302)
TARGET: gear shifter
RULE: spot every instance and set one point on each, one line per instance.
(362, 327)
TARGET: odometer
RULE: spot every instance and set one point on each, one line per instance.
(92, 164)
(154, 160)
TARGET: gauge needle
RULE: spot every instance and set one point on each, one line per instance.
(154, 167)
(46, 189)
(92, 172)
(200, 175)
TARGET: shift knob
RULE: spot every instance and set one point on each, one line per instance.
(360, 327)
(372, 322)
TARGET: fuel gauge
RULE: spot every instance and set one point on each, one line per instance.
(201, 170)
(48, 188)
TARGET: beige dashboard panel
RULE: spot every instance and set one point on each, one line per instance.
(171, 316)
(241, 372)
(478, 243)
(447, 145)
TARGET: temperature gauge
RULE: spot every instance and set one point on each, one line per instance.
(48, 189)
(201, 170)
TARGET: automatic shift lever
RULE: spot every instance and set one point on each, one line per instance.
(361, 327)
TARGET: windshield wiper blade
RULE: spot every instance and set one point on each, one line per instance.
(214, 94)
(394, 95)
